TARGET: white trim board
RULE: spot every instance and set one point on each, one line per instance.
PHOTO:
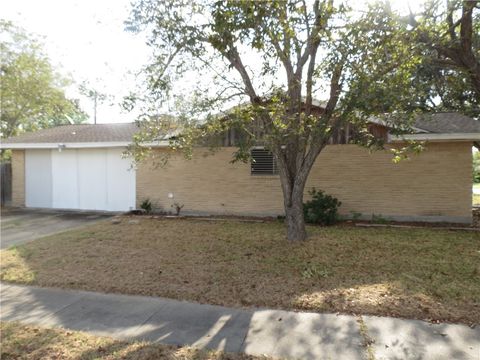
(436, 137)
(165, 143)
(79, 145)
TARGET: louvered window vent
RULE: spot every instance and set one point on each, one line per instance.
(263, 163)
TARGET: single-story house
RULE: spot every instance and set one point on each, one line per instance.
(81, 167)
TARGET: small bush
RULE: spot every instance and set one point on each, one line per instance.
(147, 206)
(178, 207)
(322, 209)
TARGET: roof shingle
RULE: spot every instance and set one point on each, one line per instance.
(447, 123)
(440, 123)
(80, 133)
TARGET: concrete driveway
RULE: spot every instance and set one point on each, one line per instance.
(19, 226)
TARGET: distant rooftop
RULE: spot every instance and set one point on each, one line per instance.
(437, 123)
(447, 123)
(79, 133)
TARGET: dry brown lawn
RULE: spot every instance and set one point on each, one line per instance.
(413, 273)
(33, 342)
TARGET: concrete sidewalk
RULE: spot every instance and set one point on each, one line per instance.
(283, 334)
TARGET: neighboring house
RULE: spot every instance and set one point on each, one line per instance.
(81, 167)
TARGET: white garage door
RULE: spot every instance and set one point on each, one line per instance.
(38, 178)
(87, 179)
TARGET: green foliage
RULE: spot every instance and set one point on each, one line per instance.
(322, 209)
(404, 152)
(314, 271)
(32, 93)
(147, 206)
(257, 66)
(367, 56)
(476, 167)
(446, 79)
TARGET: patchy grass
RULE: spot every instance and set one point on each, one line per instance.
(33, 342)
(413, 273)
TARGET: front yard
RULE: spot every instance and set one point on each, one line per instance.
(413, 273)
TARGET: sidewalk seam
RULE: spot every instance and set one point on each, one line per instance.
(65, 307)
(245, 336)
(150, 317)
(368, 341)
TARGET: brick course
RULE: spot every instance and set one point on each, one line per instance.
(18, 178)
(434, 185)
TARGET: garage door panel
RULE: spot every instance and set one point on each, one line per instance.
(87, 179)
(120, 182)
(92, 179)
(64, 179)
(38, 178)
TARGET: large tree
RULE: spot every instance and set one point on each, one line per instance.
(32, 93)
(276, 57)
(449, 32)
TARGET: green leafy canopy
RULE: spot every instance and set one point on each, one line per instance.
(245, 57)
(448, 77)
(258, 67)
(32, 93)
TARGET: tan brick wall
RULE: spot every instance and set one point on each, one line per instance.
(18, 178)
(435, 184)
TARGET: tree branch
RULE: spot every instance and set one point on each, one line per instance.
(318, 142)
(460, 52)
(451, 25)
(234, 57)
(466, 26)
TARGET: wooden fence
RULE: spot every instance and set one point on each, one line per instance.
(5, 183)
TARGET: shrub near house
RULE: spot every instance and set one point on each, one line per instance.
(322, 209)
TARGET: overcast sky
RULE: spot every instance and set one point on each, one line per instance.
(86, 39)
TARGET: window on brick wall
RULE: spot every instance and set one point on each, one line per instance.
(263, 162)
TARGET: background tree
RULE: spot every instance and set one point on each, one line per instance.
(476, 167)
(32, 94)
(95, 95)
(272, 59)
(450, 70)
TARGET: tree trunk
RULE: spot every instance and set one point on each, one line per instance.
(293, 203)
(295, 221)
(293, 180)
